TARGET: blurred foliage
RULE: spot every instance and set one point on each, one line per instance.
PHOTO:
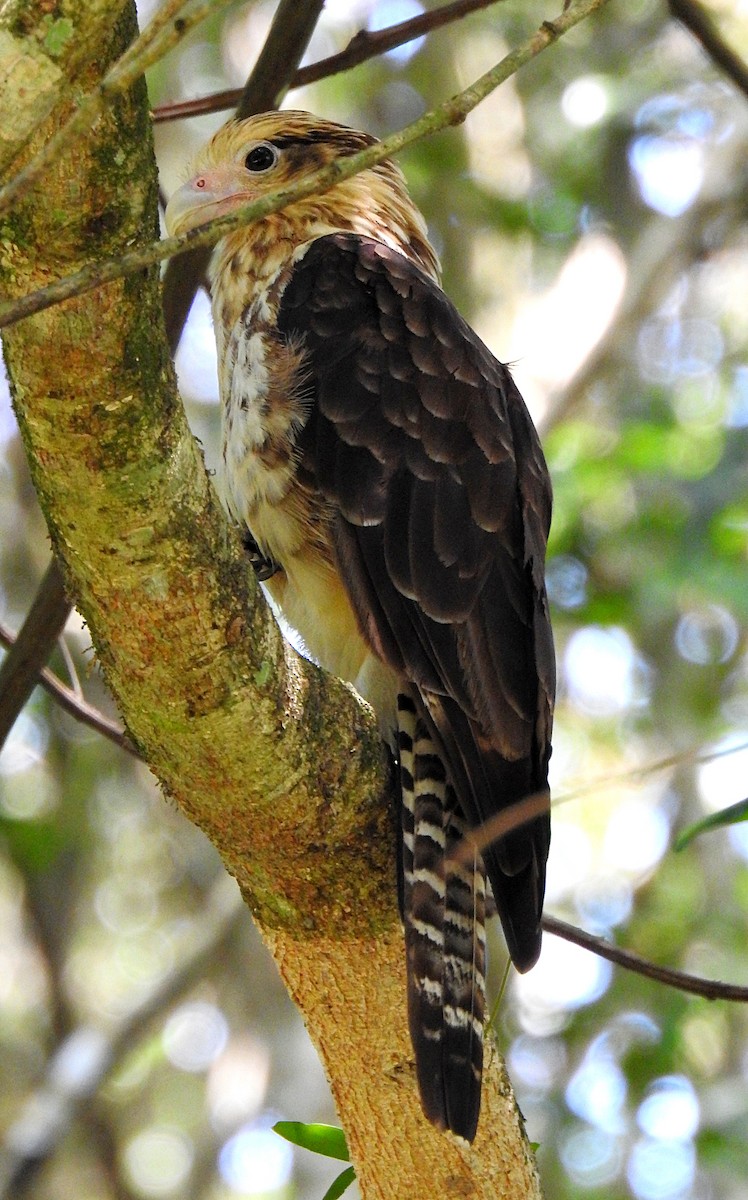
(592, 224)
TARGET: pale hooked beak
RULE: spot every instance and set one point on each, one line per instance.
(208, 195)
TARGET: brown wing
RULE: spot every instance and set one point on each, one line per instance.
(423, 443)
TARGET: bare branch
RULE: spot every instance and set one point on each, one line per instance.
(451, 112)
(695, 985)
(366, 44)
(33, 646)
(704, 29)
(288, 38)
(66, 697)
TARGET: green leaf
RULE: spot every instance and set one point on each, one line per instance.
(320, 1139)
(728, 816)
(340, 1185)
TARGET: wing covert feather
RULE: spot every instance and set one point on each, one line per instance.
(420, 439)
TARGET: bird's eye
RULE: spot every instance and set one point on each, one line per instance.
(262, 157)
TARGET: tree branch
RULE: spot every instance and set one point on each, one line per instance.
(68, 700)
(288, 38)
(451, 112)
(31, 649)
(366, 44)
(695, 985)
(50, 608)
(698, 22)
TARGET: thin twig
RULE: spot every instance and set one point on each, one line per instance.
(451, 112)
(710, 989)
(166, 29)
(366, 44)
(75, 705)
(67, 657)
(527, 810)
(633, 774)
(496, 828)
(704, 29)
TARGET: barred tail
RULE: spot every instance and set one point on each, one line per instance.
(444, 916)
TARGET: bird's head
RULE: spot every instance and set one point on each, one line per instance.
(246, 160)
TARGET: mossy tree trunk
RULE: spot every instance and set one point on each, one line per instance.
(277, 764)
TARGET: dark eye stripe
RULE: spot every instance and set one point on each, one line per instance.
(346, 141)
(302, 139)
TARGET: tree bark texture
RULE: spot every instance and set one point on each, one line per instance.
(280, 766)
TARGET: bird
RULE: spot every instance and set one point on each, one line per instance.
(392, 495)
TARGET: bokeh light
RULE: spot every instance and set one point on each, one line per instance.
(669, 172)
(661, 1170)
(195, 1035)
(585, 101)
(255, 1161)
(602, 671)
(670, 1110)
(157, 1161)
(566, 977)
(591, 1158)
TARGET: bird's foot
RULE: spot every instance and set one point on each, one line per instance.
(263, 567)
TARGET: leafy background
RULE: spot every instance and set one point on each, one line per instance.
(592, 223)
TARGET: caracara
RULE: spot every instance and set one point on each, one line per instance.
(393, 497)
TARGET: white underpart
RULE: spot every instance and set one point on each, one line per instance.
(251, 490)
(311, 600)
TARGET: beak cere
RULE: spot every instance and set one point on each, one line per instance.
(208, 195)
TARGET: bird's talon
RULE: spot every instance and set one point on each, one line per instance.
(263, 567)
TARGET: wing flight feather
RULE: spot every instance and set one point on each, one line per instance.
(421, 440)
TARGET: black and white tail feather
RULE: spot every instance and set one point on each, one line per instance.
(444, 904)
